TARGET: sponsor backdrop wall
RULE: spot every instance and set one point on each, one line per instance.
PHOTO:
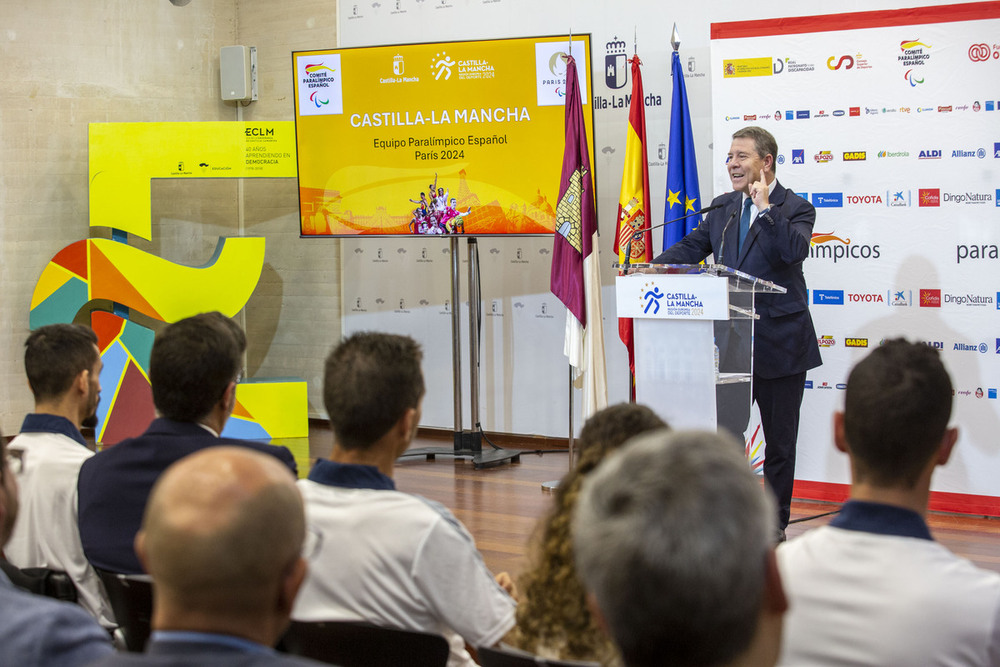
(889, 124)
(869, 250)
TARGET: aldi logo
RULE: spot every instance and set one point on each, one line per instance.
(929, 197)
(930, 298)
(855, 342)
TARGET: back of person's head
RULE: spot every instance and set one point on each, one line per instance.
(673, 537)
(222, 531)
(8, 496)
(555, 602)
(896, 410)
(608, 429)
(54, 355)
(370, 380)
(192, 363)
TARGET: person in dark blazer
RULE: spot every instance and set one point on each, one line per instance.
(765, 230)
(222, 537)
(194, 367)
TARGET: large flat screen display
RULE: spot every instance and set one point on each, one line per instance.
(425, 139)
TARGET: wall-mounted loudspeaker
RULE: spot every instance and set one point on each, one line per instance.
(238, 73)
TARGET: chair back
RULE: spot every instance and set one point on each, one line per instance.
(131, 597)
(509, 657)
(357, 644)
(41, 581)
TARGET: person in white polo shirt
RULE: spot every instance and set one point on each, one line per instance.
(384, 556)
(63, 365)
(873, 587)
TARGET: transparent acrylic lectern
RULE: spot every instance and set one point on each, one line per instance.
(681, 313)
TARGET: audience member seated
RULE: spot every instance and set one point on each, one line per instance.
(63, 365)
(873, 587)
(37, 631)
(222, 538)
(552, 617)
(193, 370)
(388, 557)
(673, 539)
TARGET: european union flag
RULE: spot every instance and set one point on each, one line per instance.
(683, 195)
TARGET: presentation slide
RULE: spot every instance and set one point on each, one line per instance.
(444, 138)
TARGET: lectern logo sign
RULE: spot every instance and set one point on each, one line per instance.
(652, 298)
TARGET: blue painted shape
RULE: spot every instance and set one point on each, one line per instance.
(115, 362)
(245, 430)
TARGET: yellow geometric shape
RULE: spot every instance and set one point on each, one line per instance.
(175, 291)
(125, 156)
(279, 406)
(53, 277)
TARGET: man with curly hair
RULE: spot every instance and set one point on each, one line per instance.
(553, 620)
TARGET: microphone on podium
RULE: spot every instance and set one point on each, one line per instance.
(643, 230)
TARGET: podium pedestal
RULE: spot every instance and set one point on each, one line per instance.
(681, 313)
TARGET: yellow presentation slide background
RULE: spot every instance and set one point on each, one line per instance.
(350, 185)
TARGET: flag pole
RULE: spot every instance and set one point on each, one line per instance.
(552, 485)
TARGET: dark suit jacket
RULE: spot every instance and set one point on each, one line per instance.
(774, 249)
(186, 654)
(114, 484)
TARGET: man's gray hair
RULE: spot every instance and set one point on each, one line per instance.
(671, 536)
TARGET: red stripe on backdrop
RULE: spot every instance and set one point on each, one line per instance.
(940, 501)
(969, 11)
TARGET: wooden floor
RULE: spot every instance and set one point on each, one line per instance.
(500, 506)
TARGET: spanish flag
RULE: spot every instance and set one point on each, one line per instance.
(633, 202)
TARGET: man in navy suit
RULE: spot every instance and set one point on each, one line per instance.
(194, 367)
(222, 538)
(765, 230)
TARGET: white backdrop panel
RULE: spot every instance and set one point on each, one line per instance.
(920, 117)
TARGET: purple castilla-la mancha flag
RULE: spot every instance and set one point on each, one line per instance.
(576, 279)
